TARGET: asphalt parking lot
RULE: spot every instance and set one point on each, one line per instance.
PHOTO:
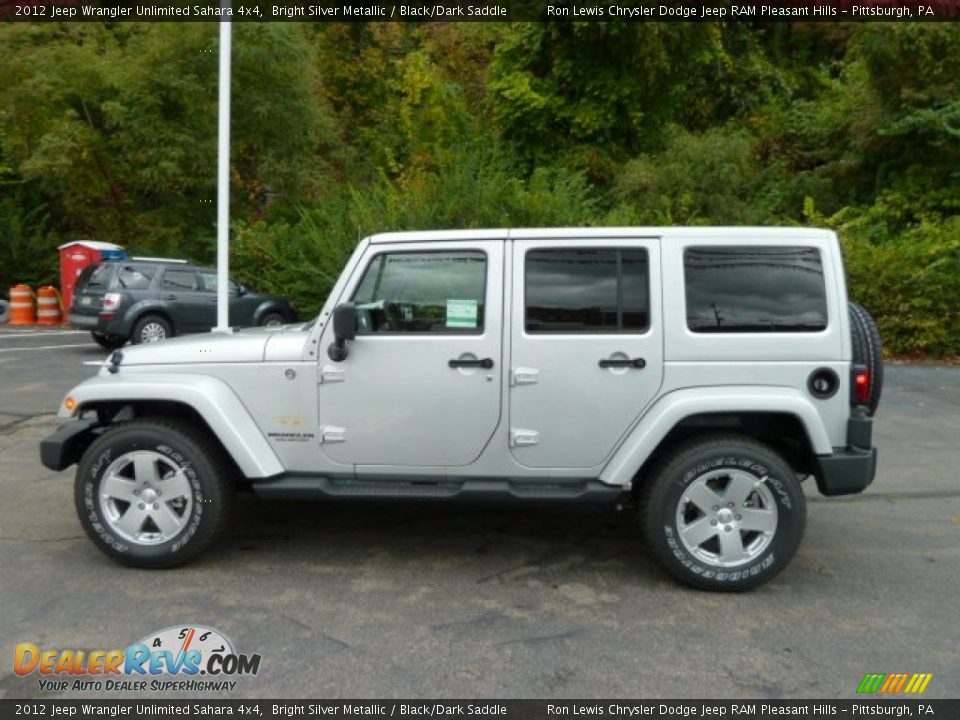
(358, 600)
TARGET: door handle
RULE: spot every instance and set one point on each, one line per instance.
(485, 363)
(638, 363)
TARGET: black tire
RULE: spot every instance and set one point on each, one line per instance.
(867, 350)
(665, 502)
(143, 326)
(272, 318)
(209, 485)
(109, 342)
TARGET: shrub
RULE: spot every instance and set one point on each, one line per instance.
(910, 283)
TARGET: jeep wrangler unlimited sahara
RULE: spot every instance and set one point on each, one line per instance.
(698, 374)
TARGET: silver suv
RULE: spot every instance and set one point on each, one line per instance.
(696, 374)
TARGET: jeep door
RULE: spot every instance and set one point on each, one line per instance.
(421, 385)
(586, 346)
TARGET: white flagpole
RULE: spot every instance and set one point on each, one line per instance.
(223, 180)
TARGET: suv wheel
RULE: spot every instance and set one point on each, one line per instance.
(153, 493)
(109, 342)
(723, 513)
(150, 329)
(271, 319)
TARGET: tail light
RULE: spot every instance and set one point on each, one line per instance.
(111, 301)
(859, 385)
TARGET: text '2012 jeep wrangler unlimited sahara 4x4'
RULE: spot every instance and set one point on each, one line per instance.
(702, 372)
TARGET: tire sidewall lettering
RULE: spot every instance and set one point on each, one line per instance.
(91, 483)
(767, 560)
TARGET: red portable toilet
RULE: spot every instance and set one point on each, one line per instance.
(75, 256)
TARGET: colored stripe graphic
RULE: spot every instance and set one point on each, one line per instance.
(871, 682)
(894, 683)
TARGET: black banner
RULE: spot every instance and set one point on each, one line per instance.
(477, 709)
(475, 11)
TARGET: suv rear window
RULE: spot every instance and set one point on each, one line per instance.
(92, 276)
(135, 278)
(581, 290)
(760, 289)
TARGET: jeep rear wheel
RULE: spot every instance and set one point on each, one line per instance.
(151, 493)
(723, 513)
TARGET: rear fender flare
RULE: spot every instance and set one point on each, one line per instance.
(672, 408)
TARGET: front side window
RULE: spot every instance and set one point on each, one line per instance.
(754, 289)
(211, 280)
(423, 292)
(579, 290)
(179, 280)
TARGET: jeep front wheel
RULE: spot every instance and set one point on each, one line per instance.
(723, 513)
(151, 493)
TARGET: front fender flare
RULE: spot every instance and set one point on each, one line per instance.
(669, 410)
(211, 398)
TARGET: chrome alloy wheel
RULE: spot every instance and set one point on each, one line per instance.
(727, 517)
(145, 497)
(153, 332)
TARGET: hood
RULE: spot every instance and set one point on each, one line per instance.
(241, 346)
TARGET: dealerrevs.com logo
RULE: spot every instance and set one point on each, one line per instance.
(188, 658)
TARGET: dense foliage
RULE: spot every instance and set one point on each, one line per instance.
(109, 132)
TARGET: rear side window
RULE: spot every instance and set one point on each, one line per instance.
(580, 290)
(135, 278)
(754, 289)
(423, 292)
(179, 280)
(93, 276)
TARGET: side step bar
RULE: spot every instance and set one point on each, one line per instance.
(315, 487)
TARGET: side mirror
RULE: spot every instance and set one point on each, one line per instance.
(344, 328)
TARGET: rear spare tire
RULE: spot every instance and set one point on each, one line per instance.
(867, 351)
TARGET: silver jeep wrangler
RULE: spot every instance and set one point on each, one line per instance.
(697, 374)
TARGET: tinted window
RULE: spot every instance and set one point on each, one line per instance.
(179, 280)
(210, 280)
(754, 289)
(423, 292)
(92, 276)
(587, 291)
(135, 278)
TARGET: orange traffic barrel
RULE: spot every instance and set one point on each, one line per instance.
(21, 305)
(48, 306)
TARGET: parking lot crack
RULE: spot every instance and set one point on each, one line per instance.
(541, 639)
(8, 538)
(325, 636)
(889, 496)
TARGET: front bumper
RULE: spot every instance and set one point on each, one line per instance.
(850, 469)
(67, 445)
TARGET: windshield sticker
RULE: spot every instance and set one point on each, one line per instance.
(462, 313)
